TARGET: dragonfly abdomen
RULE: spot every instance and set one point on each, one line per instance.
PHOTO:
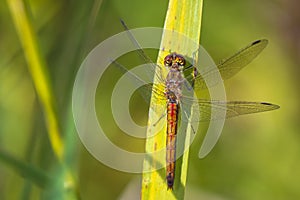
(172, 120)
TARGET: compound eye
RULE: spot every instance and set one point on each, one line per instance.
(168, 61)
(181, 61)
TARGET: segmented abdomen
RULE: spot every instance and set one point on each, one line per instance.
(172, 120)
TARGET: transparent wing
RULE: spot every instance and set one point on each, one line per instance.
(152, 89)
(228, 67)
(153, 68)
(147, 89)
(206, 110)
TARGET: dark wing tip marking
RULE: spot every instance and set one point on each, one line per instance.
(255, 42)
(124, 24)
(122, 21)
(273, 106)
(260, 41)
(265, 103)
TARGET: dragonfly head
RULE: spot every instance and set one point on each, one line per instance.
(174, 61)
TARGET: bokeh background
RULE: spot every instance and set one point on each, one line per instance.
(257, 156)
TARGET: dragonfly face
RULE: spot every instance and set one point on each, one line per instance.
(174, 61)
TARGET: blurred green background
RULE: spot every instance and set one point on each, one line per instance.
(257, 156)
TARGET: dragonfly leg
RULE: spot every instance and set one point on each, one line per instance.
(189, 67)
(189, 79)
(195, 71)
(162, 116)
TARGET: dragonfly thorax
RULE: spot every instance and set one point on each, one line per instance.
(175, 63)
(174, 82)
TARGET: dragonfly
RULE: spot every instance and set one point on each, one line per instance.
(175, 100)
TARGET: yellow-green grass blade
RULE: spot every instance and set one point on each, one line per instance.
(183, 16)
(25, 170)
(37, 69)
(39, 74)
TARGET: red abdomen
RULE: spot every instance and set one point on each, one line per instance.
(172, 120)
